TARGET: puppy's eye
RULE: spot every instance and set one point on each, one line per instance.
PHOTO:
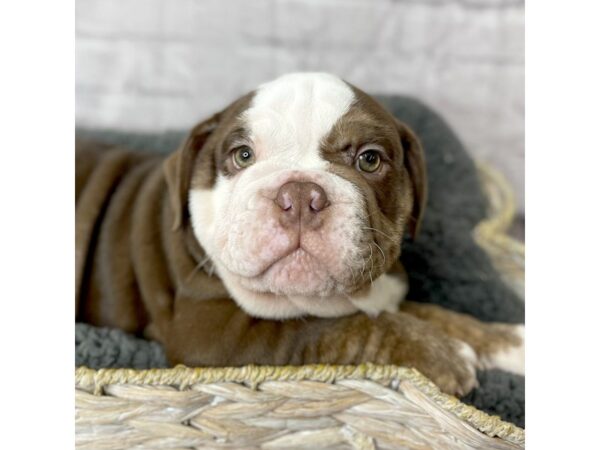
(369, 161)
(243, 156)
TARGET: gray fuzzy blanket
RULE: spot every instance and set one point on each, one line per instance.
(444, 264)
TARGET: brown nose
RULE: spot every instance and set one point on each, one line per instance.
(300, 203)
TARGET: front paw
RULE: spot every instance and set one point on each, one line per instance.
(450, 363)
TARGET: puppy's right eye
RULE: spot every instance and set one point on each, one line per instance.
(243, 157)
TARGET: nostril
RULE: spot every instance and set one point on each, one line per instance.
(284, 200)
(315, 206)
(318, 200)
(286, 203)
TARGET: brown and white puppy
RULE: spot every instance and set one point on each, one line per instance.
(271, 237)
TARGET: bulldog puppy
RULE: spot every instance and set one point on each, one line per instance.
(272, 237)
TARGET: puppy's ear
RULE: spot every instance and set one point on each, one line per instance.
(178, 167)
(414, 162)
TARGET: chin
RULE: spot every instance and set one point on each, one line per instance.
(295, 286)
(296, 274)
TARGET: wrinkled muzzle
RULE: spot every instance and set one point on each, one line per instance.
(287, 233)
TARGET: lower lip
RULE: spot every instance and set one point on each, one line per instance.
(288, 259)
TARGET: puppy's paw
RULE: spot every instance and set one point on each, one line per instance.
(451, 364)
(455, 373)
(407, 341)
(509, 355)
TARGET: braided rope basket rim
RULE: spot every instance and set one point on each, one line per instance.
(506, 253)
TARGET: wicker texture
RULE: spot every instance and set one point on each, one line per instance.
(357, 407)
(366, 406)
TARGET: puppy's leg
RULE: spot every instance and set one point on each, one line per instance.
(497, 345)
(219, 333)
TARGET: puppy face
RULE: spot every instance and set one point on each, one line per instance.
(300, 194)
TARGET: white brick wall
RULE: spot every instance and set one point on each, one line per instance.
(159, 64)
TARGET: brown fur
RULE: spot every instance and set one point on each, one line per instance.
(485, 338)
(140, 268)
(396, 197)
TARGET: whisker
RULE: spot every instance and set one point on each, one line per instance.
(372, 262)
(381, 232)
(353, 274)
(198, 267)
(382, 254)
(364, 266)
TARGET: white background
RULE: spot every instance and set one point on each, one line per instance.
(160, 64)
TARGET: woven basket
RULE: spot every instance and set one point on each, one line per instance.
(317, 406)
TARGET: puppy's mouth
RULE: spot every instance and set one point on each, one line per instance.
(297, 272)
(295, 263)
(294, 253)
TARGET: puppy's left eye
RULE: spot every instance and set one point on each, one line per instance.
(369, 161)
(243, 156)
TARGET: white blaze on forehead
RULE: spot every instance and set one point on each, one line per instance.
(289, 117)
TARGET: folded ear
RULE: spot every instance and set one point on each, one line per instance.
(178, 167)
(414, 162)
